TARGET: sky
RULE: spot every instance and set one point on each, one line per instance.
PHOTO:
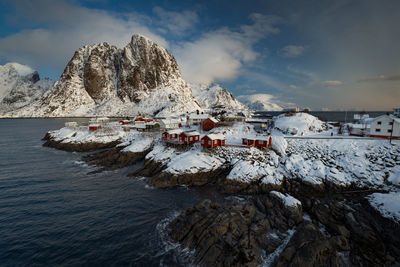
(319, 54)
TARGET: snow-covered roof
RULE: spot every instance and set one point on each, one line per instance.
(94, 125)
(396, 119)
(175, 131)
(213, 119)
(257, 137)
(191, 133)
(170, 121)
(198, 116)
(215, 136)
(140, 126)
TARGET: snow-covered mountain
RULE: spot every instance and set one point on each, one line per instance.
(214, 96)
(19, 86)
(101, 79)
(260, 102)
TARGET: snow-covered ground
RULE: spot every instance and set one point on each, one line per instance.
(387, 204)
(81, 135)
(299, 124)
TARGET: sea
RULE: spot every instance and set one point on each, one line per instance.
(331, 116)
(52, 212)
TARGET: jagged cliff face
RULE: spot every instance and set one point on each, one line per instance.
(141, 78)
(20, 86)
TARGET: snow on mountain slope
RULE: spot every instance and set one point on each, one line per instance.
(213, 95)
(19, 86)
(104, 80)
(260, 102)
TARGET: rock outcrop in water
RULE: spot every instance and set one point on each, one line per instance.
(336, 231)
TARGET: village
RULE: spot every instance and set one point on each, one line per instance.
(207, 130)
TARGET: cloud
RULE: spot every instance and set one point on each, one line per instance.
(330, 83)
(380, 78)
(291, 51)
(176, 23)
(219, 55)
(68, 27)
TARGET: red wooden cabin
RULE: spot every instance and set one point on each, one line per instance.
(94, 127)
(213, 140)
(257, 141)
(171, 134)
(209, 124)
(124, 122)
(189, 137)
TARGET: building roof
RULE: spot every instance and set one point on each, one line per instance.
(198, 116)
(170, 121)
(213, 119)
(215, 136)
(175, 131)
(391, 116)
(257, 137)
(191, 133)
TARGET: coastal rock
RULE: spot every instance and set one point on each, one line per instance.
(113, 159)
(232, 233)
(79, 147)
(309, 247)
(165, 179)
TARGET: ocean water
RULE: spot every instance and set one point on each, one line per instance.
(53, 213)
(336, 116)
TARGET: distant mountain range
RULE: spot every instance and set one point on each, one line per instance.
(102, 80)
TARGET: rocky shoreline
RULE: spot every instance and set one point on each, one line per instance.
(332, 225)
(330, 231)
(77, 147)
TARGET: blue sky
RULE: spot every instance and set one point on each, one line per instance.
(316, 53)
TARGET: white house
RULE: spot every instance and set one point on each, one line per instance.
(170, 123)
(197, 118)
(385, 126)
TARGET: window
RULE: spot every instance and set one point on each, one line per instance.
(215, 142)
(209, 142)
(190, 138)
(202, 141)
(379, 122)
(389, 130)
(377, 130)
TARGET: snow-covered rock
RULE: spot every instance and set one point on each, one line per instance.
(299, 124)
(387, 204)
(101, 79)
(19, 86)
(214, 96)
(260, 102)
(287, 199)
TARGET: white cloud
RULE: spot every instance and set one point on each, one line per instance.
(291, 51)
(331, 83)
(219, 55)
(176, 22)
(70, 27)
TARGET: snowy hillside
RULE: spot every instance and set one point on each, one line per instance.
(19, 86)
(213, 95)
(104, 80)
(299, 124)
(260, 102)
